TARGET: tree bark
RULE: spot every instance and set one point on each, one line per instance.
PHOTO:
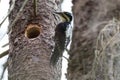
(90, 17)
(31, 40)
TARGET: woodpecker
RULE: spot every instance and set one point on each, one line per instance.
(62, 36)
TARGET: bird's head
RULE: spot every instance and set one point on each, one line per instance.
(66, 16)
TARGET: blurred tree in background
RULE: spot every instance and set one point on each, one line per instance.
(95, 48)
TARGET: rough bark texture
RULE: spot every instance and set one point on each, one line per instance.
(88, 17)
(29, 58)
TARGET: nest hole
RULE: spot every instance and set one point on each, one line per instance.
(32, 31)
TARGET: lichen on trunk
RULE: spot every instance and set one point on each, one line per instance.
(90, 16)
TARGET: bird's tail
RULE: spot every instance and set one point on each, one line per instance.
(55, 56)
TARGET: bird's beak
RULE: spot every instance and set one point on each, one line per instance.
(59, 13)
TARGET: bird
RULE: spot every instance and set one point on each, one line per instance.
(62, 36)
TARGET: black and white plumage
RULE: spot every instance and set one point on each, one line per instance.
(62, 37)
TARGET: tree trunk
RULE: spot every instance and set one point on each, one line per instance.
(91, 58)
(31, 40)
